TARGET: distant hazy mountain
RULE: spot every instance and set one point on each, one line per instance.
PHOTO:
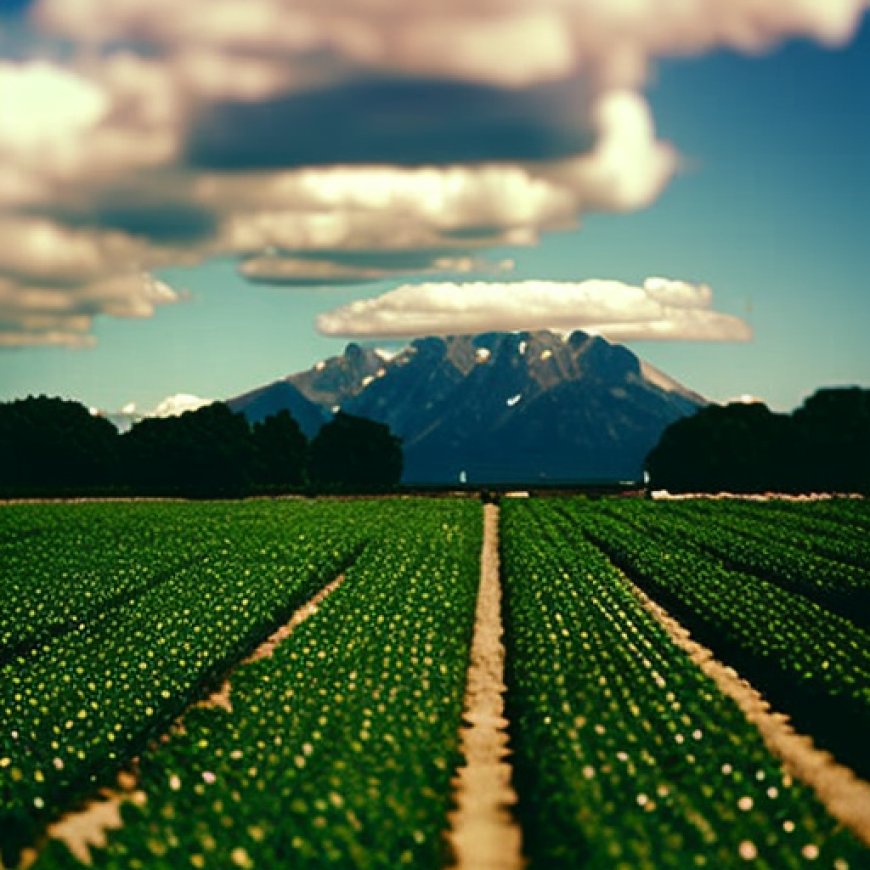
(281, 396)
(497, 407)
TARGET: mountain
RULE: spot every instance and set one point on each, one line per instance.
(335, 380)
(501, 407)
(281, 396)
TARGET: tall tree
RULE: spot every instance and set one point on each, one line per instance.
(747, 448)
(833, 430)
(280, 451)
(354, 454)
(55, 444)
(207, 452)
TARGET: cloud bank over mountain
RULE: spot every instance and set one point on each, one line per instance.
(659, 310)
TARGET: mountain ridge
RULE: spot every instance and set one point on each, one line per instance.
(495, 407)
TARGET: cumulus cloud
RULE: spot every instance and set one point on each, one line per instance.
(660, 309)
(54, 280)
(544, 39)
(40, 252)
(34, 315)
(178, 404)
(390, 207)
(628, 167)
(386, 208)
(434, 125)
(68, 129)
(42, 101)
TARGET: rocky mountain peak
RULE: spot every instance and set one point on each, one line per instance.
(498, 407)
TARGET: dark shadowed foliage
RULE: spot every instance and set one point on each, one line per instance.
(52, 445)
(280, 452)
(823, 446)
(353, 454)
(834, 431)
(208, 452)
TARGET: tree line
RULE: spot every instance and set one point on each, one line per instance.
(823, 446)
(52, 446)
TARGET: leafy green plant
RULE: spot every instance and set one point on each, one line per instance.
(626, 755)
(751, 543)
(339, 749)
(77, 706)
(811, 663)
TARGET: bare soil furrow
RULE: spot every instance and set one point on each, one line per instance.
(845, 795)
(90, 825)
(484, 834)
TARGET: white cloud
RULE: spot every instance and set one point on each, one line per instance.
(63, 128)
(658, 310)
(539, 45)
(744, 399)
(174, 406)
(277, 269)
(39, 251)
(507, 42)
(32, 315)
(107, 119)
(680, 294)
(628, 168)
(41, 102)
(391, 207)
(54, 280)
(467, 264)
(321, 203)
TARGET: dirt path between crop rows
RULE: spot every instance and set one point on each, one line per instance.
(90, 825)
(844, 795)
(483, 832)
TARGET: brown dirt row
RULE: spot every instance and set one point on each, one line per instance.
(221, 696)
(844, 795)
(483, 833)
(90, 825)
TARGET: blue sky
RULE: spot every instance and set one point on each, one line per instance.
(769, 208)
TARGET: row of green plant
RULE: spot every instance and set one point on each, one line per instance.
(626, 755)
(850, 511)
(845, 513)
(811, 663)
(802, 526)
(339, 749)
(63, 566)
(750, 543)
(78, 706)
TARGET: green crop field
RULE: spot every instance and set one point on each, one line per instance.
(338, 749)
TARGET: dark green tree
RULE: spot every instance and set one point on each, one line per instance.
(207, 452)
(55, 445)
(833, 432)
(356, 455)
(735, 448)
(822, 446)
(280, 451)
